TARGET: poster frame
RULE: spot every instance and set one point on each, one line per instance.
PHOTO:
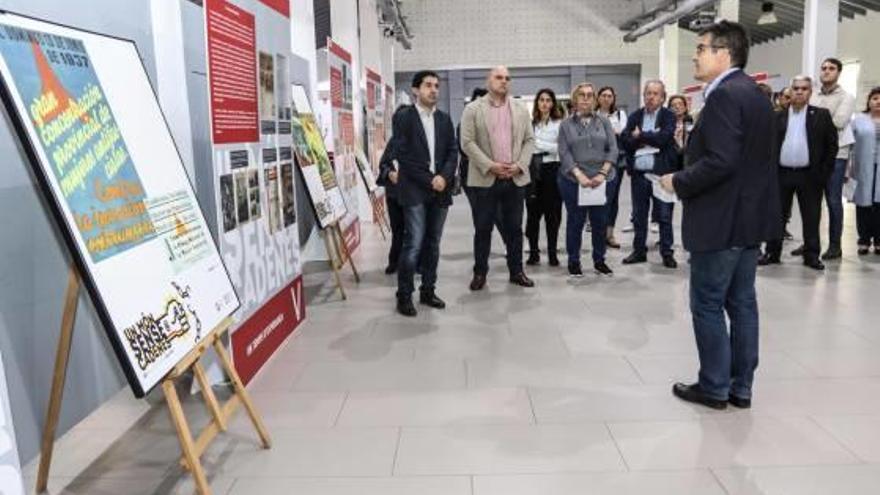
(53, 203)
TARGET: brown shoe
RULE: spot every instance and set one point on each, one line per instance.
(521, 280)
(478, 282)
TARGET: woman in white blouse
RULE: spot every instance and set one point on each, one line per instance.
(543, 198)
(607, 107)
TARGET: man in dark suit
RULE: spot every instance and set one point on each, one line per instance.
(388, 177)
(730, 195)
(649, 142)
(806, 140)
(426, 150)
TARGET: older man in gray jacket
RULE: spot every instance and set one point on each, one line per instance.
(496, 135)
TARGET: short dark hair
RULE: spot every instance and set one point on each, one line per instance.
(734, 37)
(555, 112)
(478, 93)
(421, 75)
(874, 91)
(837, 63)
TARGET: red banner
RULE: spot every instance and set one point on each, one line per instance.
(336, 95)
(232, 66)
(257, 339)
(280, 6)
(338, 51)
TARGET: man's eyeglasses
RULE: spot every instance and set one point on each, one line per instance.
(503, 78)
(702, 47)
(800, 88)
(827, 68)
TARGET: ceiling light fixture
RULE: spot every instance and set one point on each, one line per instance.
(767, 15)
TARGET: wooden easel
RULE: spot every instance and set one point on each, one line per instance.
(338, 255)
(379, 214)
(192, 450)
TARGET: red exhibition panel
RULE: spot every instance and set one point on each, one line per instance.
(232, 63)
(254, 342)
(280, 6)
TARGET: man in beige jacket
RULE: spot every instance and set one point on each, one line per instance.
(496, 135)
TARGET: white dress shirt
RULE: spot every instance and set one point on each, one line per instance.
(427, 117)
(795, 151)
(547, 140)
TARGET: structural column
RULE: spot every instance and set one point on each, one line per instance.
(669, 48)
(728, 10)
(820, 34)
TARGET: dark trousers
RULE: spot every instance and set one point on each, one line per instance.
(509, 197)
(470, 193)
(574, 223)
(724, 281)
(613, 194)
(809, 194)
(544, 202)
(834, 200)
(868, 224)
(421, 246)
(642, 195)
(395, 217)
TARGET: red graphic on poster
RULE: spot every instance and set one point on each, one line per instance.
(280, 6)
(373, 80)
(232, 69)
(339, 51)
(50, 85)
(346, 124)
(336, 95)
(257, 339)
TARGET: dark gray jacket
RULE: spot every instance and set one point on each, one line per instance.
(586, 147)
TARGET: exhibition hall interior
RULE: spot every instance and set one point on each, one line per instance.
(645, 236)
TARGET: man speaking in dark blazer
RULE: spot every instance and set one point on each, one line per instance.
(730, 195)
(426, 150)
(806, 141)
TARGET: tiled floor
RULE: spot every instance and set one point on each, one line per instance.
(560, 390)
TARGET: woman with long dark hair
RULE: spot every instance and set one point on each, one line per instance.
(866, 165)
(683, 124)
(606, 106)
(543, 199)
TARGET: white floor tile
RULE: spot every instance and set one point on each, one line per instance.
(659, 483)
(812, 480)
(354, 486)
(417, 375)
(574, 372)
(859, 434)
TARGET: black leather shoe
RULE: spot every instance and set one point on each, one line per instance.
(693, 393)
(552, 259)
(815, 264)
(833, 253)
(478, 282)
(390, 269)
(575, 270)
(406, 307)
(799, 251)
(431, 299)
(739, 402)
(521, 280)
(634, 258)
(669, 261)
(863, 250)
(602, 269)
(534, 259)
(769, 259)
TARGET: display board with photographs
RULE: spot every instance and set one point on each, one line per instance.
(89, 121)
(314, 163)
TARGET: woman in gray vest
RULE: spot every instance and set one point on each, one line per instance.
(866, 156)
(587, 152)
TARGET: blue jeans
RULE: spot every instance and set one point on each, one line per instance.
(421, 245)
(577, 217)
(725, 281)
(834, 200)
(642, 195)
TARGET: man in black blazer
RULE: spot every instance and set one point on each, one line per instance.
(806, 147)
(649, 142)
(387, 178)
(730, 195)
(426, 151)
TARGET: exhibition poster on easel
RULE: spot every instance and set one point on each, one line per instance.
(84, 110)
(318, 175)
(248, 46)
(375, 123)
(339, 64)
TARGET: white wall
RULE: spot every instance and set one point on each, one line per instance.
(456, 34)
(857, 40)
(302, 38)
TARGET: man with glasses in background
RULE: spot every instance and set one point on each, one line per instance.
(806, 142)
(731, 204)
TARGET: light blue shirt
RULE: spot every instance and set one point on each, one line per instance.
(715, 82)
(646, 162)
(795, 151)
